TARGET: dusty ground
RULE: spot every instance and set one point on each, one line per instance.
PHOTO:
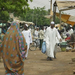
(36, 64)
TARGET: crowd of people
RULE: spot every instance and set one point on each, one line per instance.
(16, 43)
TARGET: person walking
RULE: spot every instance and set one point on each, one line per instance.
(50, 38)
(36, 33)
(70, 31)
(36, 36)
(13, 49)
(41, 36)
(28, 37)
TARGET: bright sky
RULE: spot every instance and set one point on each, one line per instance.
(46, 3)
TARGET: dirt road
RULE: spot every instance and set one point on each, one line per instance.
(36, 64)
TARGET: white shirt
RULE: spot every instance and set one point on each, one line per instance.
(36, 33)
(27, 35)
(70, 31)
(41, 34)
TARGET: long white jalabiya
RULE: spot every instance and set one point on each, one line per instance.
(28, 38)
(50, 38)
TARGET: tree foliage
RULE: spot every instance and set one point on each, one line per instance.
(36, 15)
(12, 6)
(57, 21)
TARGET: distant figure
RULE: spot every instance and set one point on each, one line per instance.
(64, 32)
(13, 51)
(36, 33)
(28, 37)
(57, 28)
(41, 36)
(72, 39)
(4, 30)
(70, 31)
(30, 29)
(50, 38)
(45, 29)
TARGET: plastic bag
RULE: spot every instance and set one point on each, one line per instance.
(43, 47)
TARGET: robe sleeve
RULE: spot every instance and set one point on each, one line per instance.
(46, 38)
(30, 37)
(45, 35)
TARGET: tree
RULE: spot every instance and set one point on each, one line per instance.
(36, 15)
(57, 21)
(12, 6)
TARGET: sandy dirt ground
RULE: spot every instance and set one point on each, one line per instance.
(37, 64)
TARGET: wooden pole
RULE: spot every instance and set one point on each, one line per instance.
(54, 11)
(60, 19)
(50, 5)
(50, 10)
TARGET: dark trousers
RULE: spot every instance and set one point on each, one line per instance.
(41, 41)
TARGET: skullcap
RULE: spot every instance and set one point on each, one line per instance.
(26, 25)
(52, 22)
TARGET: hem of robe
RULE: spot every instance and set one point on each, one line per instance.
(14, 74)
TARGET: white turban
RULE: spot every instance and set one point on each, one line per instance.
(52, 22)
(26, 25)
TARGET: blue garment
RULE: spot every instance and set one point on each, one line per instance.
(4, 31)
(43, 47)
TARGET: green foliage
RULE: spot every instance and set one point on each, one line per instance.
(36, 15)
(57, 21)
(4, 15)
(12, 6)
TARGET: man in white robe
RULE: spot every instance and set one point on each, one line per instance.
(70, 31)
(28, 37)
(50, 38)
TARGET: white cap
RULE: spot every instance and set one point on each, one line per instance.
(26, 25)
(52, 22)
(70, 25)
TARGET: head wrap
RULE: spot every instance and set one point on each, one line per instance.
(15, 30)
(13, 50)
